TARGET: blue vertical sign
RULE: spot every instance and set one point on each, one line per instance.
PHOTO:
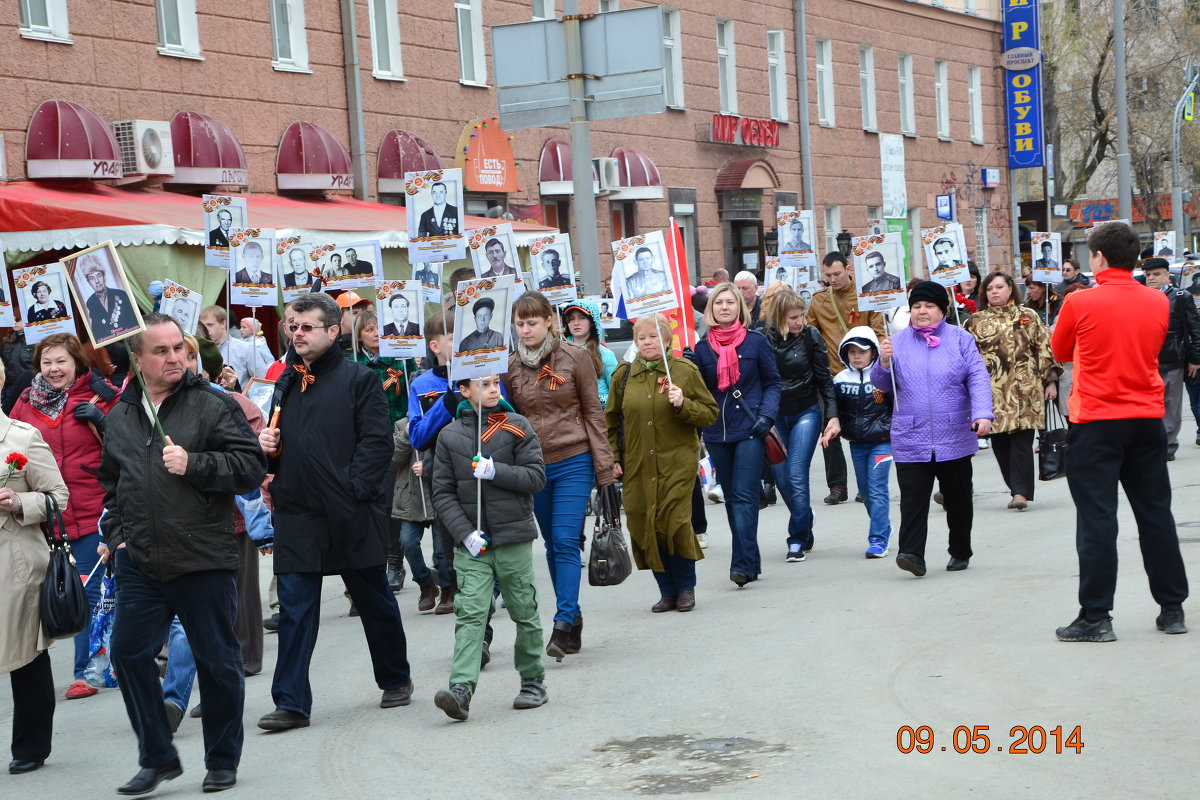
(1022, 62)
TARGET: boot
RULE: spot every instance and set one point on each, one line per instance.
(559, 640)
(446, 604)
(575, 639)
(428, 598)
(395, 573)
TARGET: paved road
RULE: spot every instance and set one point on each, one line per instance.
(795, 685)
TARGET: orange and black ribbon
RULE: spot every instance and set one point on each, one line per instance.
(393, 381)
(555, 380)
(306, 378)
(499, 422)
(663, 384)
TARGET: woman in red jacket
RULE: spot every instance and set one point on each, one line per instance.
(68, 403)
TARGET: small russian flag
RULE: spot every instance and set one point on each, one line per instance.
(882, 459)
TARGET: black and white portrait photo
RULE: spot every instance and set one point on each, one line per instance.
(441, 218)
(1047, 257)
(550, 273)
(1164, 244)
(223, 214)
(493, 251)
(434, 215)
(398, 310)
(945, 253)
(351, 265)
(219, 236)
(641, 264)
(102, 290)
(553, 273)
(44, 303)
(879, 271)
(876, 277)
(483, 334)
(354, 265)
(252, 265)
(429, 275)
(295, 268)
(181, 303)
(795, 230)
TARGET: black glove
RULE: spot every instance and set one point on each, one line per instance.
(100, 385)
(89, 413)
(451, 399)
(760, 428)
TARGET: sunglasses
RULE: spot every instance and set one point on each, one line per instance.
(305, 327)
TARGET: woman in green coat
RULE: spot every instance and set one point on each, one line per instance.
(659, 419)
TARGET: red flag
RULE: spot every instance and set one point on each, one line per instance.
(681, 317)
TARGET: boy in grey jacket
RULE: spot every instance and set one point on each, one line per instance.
(494, 539)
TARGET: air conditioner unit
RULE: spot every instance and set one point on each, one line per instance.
(145, 147)
(608, 175)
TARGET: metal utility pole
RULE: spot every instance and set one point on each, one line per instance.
(1124, 192)
(354, 102)
(1177, 218)
(584, 205)
(806, 176)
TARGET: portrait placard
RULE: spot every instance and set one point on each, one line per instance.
(260, 391)
(796, 229)
(946, 253)
(1046, 251)
(1164, 245)
(98, 282)
(481, 328)
(640, 270)
(876, 227)
(553, 271)
(494, 251)
(183, 304)
(434, 210)
(1189, 280)
(252, 276)
(401, 314)
(879, 271)
(608, 306)
(429, 275)
(295, 272)
(223, 214)
(8, 305)
(42, 294)
(350, 265)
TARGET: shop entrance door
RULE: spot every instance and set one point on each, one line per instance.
(748, 250)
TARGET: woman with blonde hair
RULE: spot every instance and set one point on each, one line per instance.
(656, 404)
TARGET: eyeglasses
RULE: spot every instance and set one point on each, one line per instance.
(305, 327)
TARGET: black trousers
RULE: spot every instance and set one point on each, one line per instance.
(916, 485)
(206, 603)
(835, 464)
(699, 517)
(1014, 456)
(248, 625)
(33, 709)
(1132, 452)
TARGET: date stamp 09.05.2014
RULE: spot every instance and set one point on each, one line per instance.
(1021, 740)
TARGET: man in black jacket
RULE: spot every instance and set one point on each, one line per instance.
(1180, 351)
(332, 443)
(169, 522)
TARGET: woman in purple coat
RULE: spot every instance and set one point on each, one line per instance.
(943, 403)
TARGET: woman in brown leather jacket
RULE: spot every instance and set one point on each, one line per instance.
(553, 384)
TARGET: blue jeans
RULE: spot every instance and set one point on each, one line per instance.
(181, 668)
(873, 484)
(84, 550)
(800, 433)
(1193, 393)
(679, 574)
(410, 539)
(560, 509)
(739, 466)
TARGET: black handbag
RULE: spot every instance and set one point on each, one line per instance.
(1052, 445)
(609, 562)
(64, 605)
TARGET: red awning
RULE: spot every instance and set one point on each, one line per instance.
(311, 157)
(67, 140)
(554, 169)
(403, 152)
(748, 173)
(35, 217)
(639, 178)
(206, 152)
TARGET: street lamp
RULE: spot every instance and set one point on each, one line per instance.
(843, 242)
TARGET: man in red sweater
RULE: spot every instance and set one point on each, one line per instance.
(1114, 333)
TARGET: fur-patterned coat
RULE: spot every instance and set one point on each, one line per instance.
(1016, 349)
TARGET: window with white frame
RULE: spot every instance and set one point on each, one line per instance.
(777, 74)
(385, 40)
(941, 95)
(44, 19)
(672, 57)
(543, 9)
(610, 5)
(975, 103)
(825, 82)
(969, 6)
(866, 86)
(290, 36)
(833, 226)
(468, 15)
(178, 32)
(726, 67)
(908, 116)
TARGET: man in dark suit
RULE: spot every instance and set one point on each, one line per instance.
(497, 258)
(483, 337)
(219, 236)
(355, 265)
(880, 279)
(110, 310)
(251, 259)
(400, 325)
(551, 262)
(299, 274)
(442, 219)
(427, 276)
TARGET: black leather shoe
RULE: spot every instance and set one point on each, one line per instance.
(957, 564)
(911, 562)
(397, 697)
(836, 495)
(18, 767)
(283, 720)
(148, 778)
(218, 780)
(738, 578)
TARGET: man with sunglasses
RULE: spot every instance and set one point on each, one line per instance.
(332, 442)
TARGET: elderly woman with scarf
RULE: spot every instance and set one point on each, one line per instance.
(738, 366)
(943, 402)
(553, 383)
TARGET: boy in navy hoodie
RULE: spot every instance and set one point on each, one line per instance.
(866, 416)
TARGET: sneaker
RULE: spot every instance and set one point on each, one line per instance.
(808, 545)
(702, 540)
(1170, 621)
(717, 495)
(836, 495)
(485, 655)
(984, 444)
(795, 554)
(80, 689)
(455, 701)
(858, 498)
(877, 547)
(1083, 631)
(532, 695)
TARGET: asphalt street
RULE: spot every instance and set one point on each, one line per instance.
(796, 685)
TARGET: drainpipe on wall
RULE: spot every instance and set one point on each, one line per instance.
(354, 106)
(806, 177)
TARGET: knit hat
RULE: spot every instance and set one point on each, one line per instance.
(210, 357)
(930, 292)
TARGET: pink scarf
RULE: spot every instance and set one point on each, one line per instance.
(725, 341)
(926, 333)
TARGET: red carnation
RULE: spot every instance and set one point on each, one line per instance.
(15, 461)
